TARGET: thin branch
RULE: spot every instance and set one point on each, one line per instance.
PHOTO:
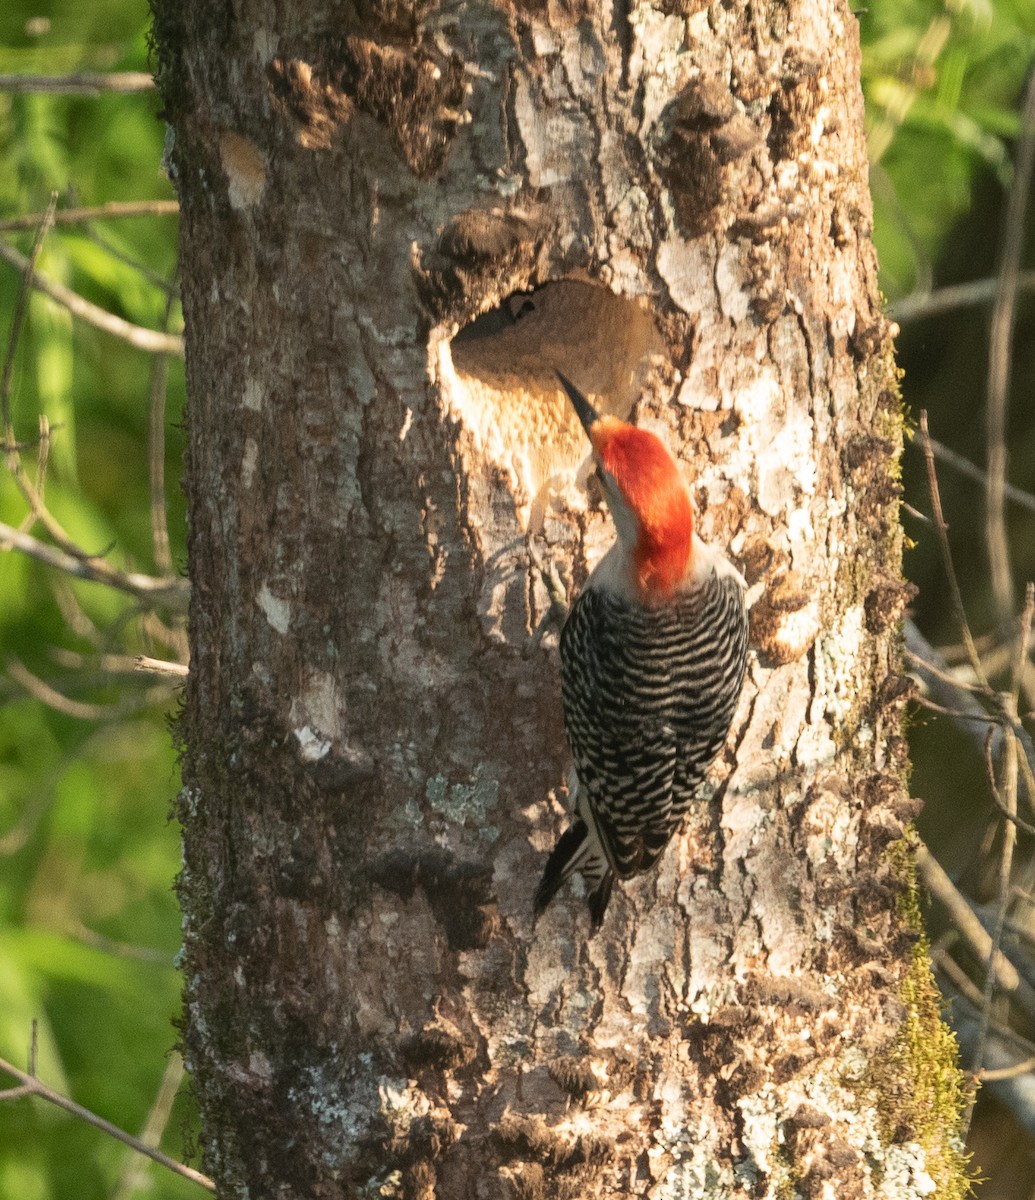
(156, 455)
(42, 457)
(1027, 770)
(80, 83)
(1006, 798)
(931, 669)
(958, 295)
(117, 666)
(89, 937)
(942, 530)
(1015, 1092)
(1023, 640)
(955, 653)
(957, 700)
(72, 611)
(999, 358)
(18, 320)
(157, 280)
(110, 666)
(34, 805)
(957, 714)
(80, 709)
(101, 238)
(168, 589)
(150, 340)
(171, 634)
(970, 928)
(32, 1086)
(99, 212)
(991, 1074)
(134, 1176)
(915, 513)
(32, 492)
(945, 964)
(965, 467)
(160, 666)
(996, 798)
(1020, 669)
(1018, 930)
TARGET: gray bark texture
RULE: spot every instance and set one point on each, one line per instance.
(397, 221)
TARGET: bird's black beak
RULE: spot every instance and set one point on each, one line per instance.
(585, 411)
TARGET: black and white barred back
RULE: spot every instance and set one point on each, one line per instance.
(649, 694)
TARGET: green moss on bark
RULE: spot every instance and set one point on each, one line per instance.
(918, 1086)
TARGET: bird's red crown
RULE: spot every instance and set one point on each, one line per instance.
(653, 486)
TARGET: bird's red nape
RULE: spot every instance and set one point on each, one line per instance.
(654, 488)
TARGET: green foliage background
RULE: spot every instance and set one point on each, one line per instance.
(89, 927)
(88, 923)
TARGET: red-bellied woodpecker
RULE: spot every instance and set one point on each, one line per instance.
(652, 664)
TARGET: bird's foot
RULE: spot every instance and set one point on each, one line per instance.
(557, 610)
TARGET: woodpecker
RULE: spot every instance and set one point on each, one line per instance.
(653, 653)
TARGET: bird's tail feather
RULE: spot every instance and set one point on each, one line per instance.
(577, 850)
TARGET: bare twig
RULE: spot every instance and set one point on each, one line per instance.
(42, 455)
(957, 714)
(72, 611)
(80, 83)
(1016, 1092)
(34, 805)
(18, 320)
(118, 666)
(100, 212)
(156, 455)
(31, 1085)
(1023, 641)
(965, 467)
(157, 280)
(894, 112)
(32, 492)
(160, 666)
(942, 960)
(150, 340)
(996, 798)
(932, 670)
(167, 589)
(955, 653)
(80, 709)
(1006, 798)
(171, 634)
(915, 513)
(111, 666)
(999, 358)
(970, 928)
(990, 1074)
(1027, 770)
(1020, 669)
(135, 1174)
(90, 937)
(959, 295)
(958, 700)
(942, 530)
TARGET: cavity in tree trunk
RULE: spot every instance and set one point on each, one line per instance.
(397, 222)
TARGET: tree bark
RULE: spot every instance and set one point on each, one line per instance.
(397, 222)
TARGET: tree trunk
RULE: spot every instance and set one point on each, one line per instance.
(664, 202)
